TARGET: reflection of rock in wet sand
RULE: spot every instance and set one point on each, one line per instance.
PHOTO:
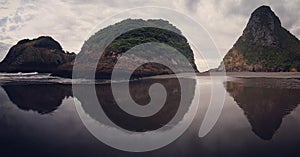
(43, 98)
(46, 98)
(263, 105)
(139, 93)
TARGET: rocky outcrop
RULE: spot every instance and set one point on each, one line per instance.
(158, 31)
(43, 54)
(264, 46)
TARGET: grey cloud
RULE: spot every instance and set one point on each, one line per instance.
(3, 50)
(117, 3)
(5, 2)
(288, 14)
(287, 19)
(297, 31)
(192, 5)
(243, 8)
(12, 28)
(3, 46)
(16, 19)
(3, 21)
(5, 37)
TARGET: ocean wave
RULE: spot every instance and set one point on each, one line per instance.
(19, 74)
(37, 78)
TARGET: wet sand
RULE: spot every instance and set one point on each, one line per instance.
(254, 74)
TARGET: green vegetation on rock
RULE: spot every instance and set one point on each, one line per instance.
(264, 46)
(149, 34)
(105, 47)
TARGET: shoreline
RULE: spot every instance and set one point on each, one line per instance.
(31, 76)
(254, 74)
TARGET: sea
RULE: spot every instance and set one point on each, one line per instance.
(240, 114)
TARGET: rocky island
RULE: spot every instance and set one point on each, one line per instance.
(265, 46)
(137, 32)
(43, 55)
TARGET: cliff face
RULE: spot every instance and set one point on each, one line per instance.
(158, 31)
(264, 46)
(43, 54)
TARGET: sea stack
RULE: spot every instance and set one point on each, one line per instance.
(95, 53)
(265, 46)
(43, 55)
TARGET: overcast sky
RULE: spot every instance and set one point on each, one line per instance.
(71, 21)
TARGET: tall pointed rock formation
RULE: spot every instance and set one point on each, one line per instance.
(264, 46)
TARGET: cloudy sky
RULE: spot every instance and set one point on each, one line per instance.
(71, 22)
